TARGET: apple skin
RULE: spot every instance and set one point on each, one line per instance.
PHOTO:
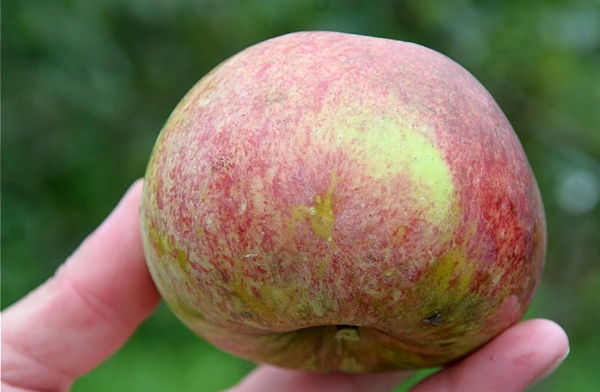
(334, 202)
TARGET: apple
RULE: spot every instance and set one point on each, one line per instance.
(335, 202)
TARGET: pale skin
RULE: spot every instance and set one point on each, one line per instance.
(101, 294)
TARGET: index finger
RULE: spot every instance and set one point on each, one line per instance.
(83, 314)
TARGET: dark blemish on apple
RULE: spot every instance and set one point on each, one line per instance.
(221, 163)
(374, 258)
(435, 319)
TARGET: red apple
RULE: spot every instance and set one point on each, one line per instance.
(335, 202)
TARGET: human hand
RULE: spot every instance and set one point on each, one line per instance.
(97, 299)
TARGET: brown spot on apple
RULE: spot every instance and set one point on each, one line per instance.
(434, 320)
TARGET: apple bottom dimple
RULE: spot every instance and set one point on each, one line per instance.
(334, 348)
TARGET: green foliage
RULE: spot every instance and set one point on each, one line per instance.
(88, 84)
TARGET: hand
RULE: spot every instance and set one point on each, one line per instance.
(96, 300)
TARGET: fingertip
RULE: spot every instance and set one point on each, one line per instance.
(131, 199)
(135, 189)
(528, 352)
(557, 342)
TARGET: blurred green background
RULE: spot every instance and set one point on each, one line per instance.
(87, 85)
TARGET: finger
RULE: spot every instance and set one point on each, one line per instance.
(85, 312)
(514, 360)
(269, 378)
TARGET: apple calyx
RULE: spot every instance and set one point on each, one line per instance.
(347, 332)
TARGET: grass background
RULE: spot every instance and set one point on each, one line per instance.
(87, 85)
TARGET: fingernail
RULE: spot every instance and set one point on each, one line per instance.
(553, 366)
